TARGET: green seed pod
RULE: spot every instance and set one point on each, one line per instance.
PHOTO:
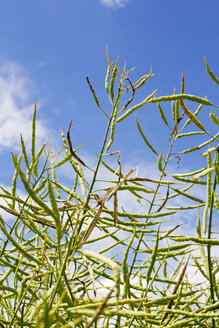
(37, 157)
(134, 108)
(160, 167)
(14, 181)
(107, 79)
(24, 152)
(173, 110)
(196, 113)
(214, 118)
(177, 110)
(153, 258)
(113, 79)
(211, 74)
(110, 263)
(182, 96)
(33, 132)
(144, 138)
(162, 115)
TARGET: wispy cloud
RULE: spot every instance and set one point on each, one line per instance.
(16, 107)
(115, 3)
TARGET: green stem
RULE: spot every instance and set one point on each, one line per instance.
(97, 167)
(211, 278)
(151, 205)
(149, 211)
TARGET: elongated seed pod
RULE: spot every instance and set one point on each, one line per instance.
(195, 113)
(166, 249)
(189, 134)
(134, 108)
(143, 80)
(54, 182)
(144, 138)
(70, 192)
(204, 241)
(110, 263)
(216, 168)
(33, 132)
(136, 188)
(162, 115)
(177, 111)
(153, 258)
(14, 181)
(160, 167)
(19, 247)
(115, 112)
(211, 74)
(107, 79)
(198, 147)
(82, 180)
(33, 194)
(64, 160)
(173, 110)
(73, 163)
(214, 118)
(182, 96)
(203, 173)
(112, 82)
(125, 257)
(209, 151)
(186, 110)
(24, 152)
(191, 116)
(183, 193)
(37, 158)
(125, 279)
(216, 202)
(208, 202)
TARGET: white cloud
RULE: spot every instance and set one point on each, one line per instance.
(115, 3)
(16, 108)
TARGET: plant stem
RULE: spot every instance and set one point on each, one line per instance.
(211, 278)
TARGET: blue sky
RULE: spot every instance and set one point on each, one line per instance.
(48, 47)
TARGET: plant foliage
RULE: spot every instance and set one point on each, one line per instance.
(74, 258)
